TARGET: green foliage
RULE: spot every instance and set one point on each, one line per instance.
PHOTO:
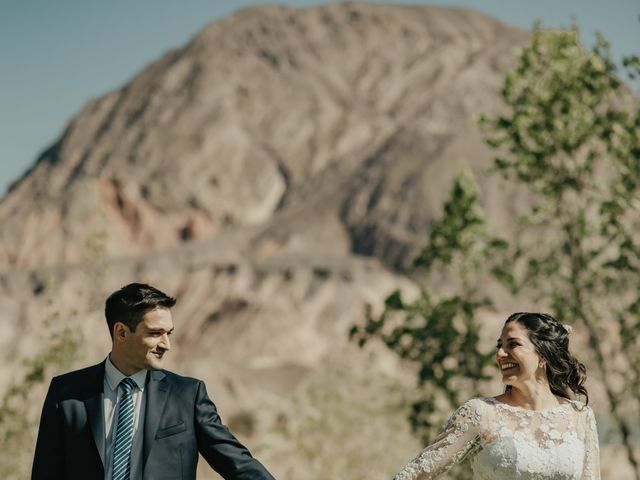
(17, 425)
(554, 95)
(460, 239)
(439, 333)
(20, 405)
(572, 139)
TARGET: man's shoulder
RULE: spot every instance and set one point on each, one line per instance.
(97, 371)
(179, 379)
(78, 383)
(91, 371)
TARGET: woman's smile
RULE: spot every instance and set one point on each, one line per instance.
(505, 366)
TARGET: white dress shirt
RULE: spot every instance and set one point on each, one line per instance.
(112, 396)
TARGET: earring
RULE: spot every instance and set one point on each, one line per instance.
(541, 365)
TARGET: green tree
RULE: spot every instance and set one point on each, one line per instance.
(18, 425)
(439, 331)
(572, 139)
(18, 417)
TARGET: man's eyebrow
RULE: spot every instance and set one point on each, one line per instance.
(154, 330)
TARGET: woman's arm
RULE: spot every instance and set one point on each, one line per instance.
(459, 436)
(591, 465)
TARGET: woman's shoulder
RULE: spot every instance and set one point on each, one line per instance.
(468, 413)
(581, 408)
(578, 405)
(481, 403)
(473, 403)
(475, 406)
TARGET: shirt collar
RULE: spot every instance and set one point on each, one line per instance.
(115, 376)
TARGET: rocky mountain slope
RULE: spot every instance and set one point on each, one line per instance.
(352, 115)
(275, 174)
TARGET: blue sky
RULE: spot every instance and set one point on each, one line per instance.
(56, 55)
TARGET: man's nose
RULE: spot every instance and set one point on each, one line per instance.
(165, 342)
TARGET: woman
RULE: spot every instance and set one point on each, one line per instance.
(533, 430)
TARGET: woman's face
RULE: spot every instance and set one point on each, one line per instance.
(516, 356)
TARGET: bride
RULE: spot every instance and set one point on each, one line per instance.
(533, 430)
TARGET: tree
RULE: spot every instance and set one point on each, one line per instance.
(572, 139)
(17, 424)
(439, 331)
(18, 417)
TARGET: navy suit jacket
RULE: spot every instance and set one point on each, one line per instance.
(180, 421)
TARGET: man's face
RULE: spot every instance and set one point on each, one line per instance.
(146, 347)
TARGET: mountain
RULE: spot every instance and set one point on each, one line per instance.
(276, 174)
(353, 115)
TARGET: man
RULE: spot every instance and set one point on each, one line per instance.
(126, 418)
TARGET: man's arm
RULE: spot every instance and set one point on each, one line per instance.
(49, 456)
(219, 447)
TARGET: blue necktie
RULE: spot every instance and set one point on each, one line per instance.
(124, 432)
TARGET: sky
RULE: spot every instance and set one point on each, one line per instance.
(57, 55)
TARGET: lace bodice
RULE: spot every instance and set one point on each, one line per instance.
(506, 442)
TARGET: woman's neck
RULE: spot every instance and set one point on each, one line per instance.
(533, 396)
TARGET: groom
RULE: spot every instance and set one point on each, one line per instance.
(126, 418)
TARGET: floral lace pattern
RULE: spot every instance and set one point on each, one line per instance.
(506, 442)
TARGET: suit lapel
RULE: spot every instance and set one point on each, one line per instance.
(94, 404)
(157, 393)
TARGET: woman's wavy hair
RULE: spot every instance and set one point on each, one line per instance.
(551, 339)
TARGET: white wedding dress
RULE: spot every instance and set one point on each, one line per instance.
(506, 442)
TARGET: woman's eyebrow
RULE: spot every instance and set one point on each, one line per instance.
(508, 339)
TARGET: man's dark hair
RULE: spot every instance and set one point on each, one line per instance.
(129, 304)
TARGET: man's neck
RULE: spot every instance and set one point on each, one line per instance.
(122, 366)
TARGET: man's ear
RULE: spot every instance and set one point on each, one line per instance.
(120, 331)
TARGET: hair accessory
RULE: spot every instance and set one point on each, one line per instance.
(568, 328)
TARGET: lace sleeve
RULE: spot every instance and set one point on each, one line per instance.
(459, 436)
(591, 466)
